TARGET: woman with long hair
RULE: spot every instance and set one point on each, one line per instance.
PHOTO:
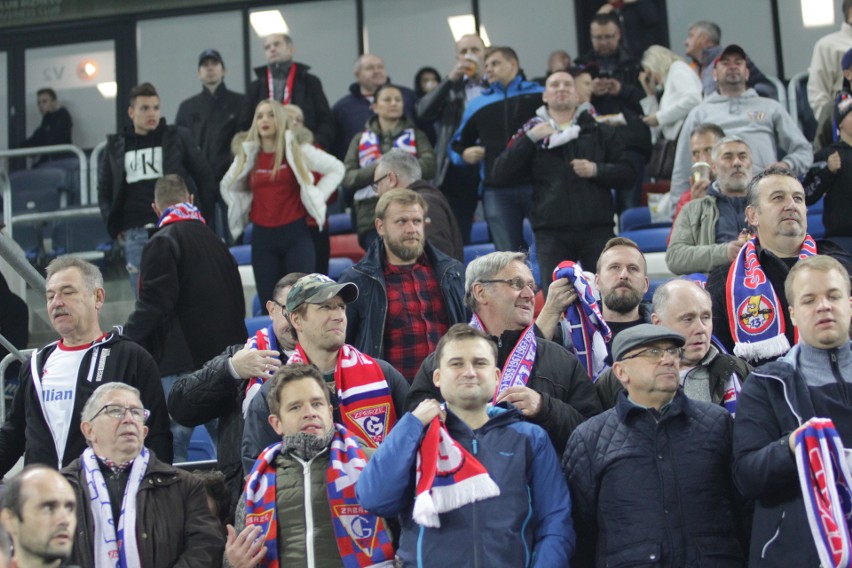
(271, 184)
(672, 89)
(388, 128)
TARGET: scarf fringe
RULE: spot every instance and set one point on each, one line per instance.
(766, 349)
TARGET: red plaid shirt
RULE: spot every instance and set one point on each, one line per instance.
(417, 317)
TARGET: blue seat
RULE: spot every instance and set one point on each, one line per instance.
(817, 207)
(81, 235)
(201, 447)
(242, 254)
(336, 266)
(339, 224)
(473, 251)
(255, 323)
(816, 228)
(652, 287)
(30, 237)
(255, 306)
(37, 190)
(479, 233)
(529, 236)
(247, 233)
(649, 240)
(71, 167)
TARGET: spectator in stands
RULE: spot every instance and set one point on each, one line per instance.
(388, 128)
(827, 130)
(218, 499)
(410, 292)
(185, 269)
(621, 281)
(573, 162)
(663, 69)
(649, 477)
(825, 74)
(446, 104)
(616, 96)
(559, 60)
(425, 81)
(212, 115)
(779, 400)
(134, 160)
(831, 176)
(524, 520)
(43, 423)
(705, 373)
(711, 230)
(353, 111)
(549, 385)
(39, 513)
(399, 169)
(310, 470)
(14, 326)
(773, 136)
(703, 48)
(750, 307)
(704, 136)
(640, 21)
(224, 387)
(55, 127)
(273, 166)
(487, 125)
(289, 82)
(584, 77)
(131, 505)
(367, 394)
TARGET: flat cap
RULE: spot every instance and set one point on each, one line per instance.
(640, 335)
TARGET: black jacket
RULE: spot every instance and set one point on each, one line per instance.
(655, 489)
(174, 526)
(567, 394)
(442, 228)
(561, 198)
(181, 156)
(55, 128)
(191, 303)
(116, 358)
(307, 95)
(835, 186)
(212, 120)
(365, 317)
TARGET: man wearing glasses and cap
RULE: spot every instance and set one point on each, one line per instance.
(650, 479)
(130, 505)
(367, 394)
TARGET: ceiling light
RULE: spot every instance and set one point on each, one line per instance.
(268, 22)
(465, 25)
(817, 13)
(108, 90)
(87, 69)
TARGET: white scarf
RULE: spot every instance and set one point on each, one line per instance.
(107, 550)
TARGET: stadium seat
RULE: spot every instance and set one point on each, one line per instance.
(800, 108)
(473, 251)
(255, 323)
(635, 218)
(649, 240)
(37, 191)
(242, 254)
(201, 447)
(71, 167)
(529, 236)
(816, 228)
(247, 233)
(345, 245)
(339, 224)
(652, 287)
(336, 266)
(86, 237)
(817, 207)
(479, 233)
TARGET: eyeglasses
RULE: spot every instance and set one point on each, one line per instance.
(375, 184)
(282, 306)
(117, 412)
(516, 284)
(656, 353)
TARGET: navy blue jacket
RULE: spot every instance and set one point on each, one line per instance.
(774, 401)
(529, 524)
(365, 317)
(654, 490)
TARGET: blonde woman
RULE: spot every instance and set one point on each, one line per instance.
(271, 184)
(663, 69)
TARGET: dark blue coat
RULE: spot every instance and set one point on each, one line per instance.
(529, 524)
(654, 490)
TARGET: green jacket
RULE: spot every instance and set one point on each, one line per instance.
(692, 244)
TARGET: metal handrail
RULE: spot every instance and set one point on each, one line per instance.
(793, 96)
(12, 253)
(93, 170)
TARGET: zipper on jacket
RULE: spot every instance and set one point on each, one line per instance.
(309, 513)
(835, 370)
(475, 516)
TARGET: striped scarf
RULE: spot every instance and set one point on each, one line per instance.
(519, 363)
(448, 477)
(362, 539)
(588, 330)
(180, 212)
(262, 340)
(827, 490)
(754, 308)
(369, 151)
(366, 406)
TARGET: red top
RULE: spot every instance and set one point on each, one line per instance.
(276, 202)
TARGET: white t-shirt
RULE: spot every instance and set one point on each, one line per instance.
(58, 390)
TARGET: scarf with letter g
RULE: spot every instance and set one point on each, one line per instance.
(362, 539)
(448, 477)
(589, 331)
(827, 490)
(366, 406)
(754, 309)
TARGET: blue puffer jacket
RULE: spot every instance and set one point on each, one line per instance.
(654, 490)
(366, 316)
(774, 401)
(529, 524)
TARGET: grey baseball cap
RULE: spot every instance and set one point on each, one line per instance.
(640, 335)
(317, 288)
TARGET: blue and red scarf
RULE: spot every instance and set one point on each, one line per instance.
(589, 332)
(827, 490)
(754, 308)
(366, 406)
(263, 339)
(362, 538)
(448, 477)
(180, 212)
(369, 149)
(519, 363)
